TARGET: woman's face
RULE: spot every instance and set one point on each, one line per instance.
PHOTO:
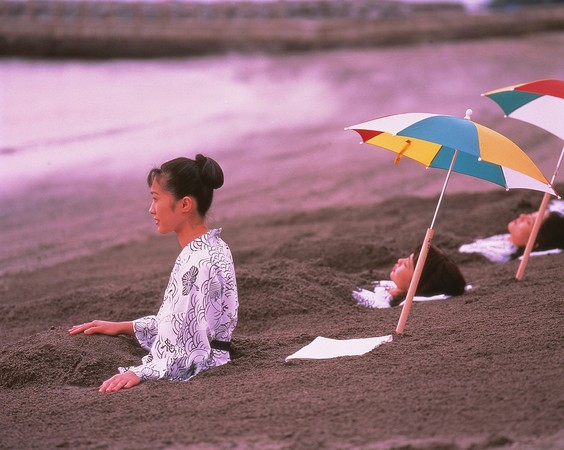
(402, 273)
(520, 228)
(165, 209)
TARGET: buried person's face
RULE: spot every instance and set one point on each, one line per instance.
(402, 273)
(520, 229)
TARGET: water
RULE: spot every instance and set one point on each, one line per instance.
(77, 139)
(126, 116)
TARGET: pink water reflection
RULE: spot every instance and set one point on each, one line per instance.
(128, 115)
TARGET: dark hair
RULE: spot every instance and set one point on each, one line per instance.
(551, 233)
(184, 177)
(440, 275)
(549, 236)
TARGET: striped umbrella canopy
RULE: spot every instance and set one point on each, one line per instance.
(540, 103)
(433, 140)
(458, 145)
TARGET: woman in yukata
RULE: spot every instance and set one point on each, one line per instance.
(505, 247)
(192, 329)
(440, 278)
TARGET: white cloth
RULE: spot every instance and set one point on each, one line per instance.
(378, 298)
(552, 251)
(556, 206)
(200, 304)
(496, 248)
(381, 298)
(325, 348)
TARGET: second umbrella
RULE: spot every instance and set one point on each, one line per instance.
(457, 145)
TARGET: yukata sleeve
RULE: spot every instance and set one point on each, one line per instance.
(181, 347)
(146, 330)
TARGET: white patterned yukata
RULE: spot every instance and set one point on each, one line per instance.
(496, 248)
(380, 296)
(200, 306)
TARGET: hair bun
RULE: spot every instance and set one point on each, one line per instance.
(210, 171)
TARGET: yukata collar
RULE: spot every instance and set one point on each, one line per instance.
(212, 233)
(205, 238)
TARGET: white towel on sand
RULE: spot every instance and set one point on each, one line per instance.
(325, 348)
(552, 251)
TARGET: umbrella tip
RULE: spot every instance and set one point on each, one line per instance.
(468, 114)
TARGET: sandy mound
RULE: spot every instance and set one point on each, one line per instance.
(53, 357)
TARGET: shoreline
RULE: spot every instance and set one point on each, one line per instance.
(167, 36)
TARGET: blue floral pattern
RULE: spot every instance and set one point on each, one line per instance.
(200, 304)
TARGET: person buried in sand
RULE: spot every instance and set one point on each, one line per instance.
(192, 329)
(505, 247)
(440, 278)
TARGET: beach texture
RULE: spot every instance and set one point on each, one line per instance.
(309, 216)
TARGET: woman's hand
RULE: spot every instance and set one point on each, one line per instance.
(123, 380)
(103, 327)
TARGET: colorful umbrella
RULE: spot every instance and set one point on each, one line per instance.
(540, 103)
(459, 145)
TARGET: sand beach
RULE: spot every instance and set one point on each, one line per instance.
(309, 215)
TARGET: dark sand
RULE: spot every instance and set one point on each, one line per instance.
(483, 370)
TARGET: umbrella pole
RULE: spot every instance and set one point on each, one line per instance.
(415, 280)
(536, 226)
(422, 257)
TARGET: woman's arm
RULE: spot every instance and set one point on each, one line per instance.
(181, 348)
(103, 327)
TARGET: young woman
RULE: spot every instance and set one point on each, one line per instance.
(440, 276)
(192, 329)
(505, 247)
